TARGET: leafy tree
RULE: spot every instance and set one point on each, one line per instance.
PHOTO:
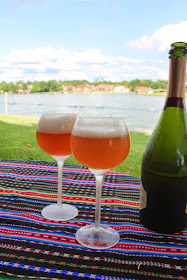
(24, 86)
(44, 86)
(53, 86)
(13, 87)
(147, 83)
(36, 87)
(135, 83)
(4, 86)
(59, 85)
(162, 84)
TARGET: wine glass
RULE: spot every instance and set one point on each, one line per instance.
(53, 136)
(100, 144)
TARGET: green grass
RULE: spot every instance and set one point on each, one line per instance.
(18, 141)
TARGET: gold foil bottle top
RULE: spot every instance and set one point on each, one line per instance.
(177, 69)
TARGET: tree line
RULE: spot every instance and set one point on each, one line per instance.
(56, 86)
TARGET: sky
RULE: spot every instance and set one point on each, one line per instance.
(95, 40)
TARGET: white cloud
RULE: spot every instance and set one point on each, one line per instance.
(62, 64)
(162, 38)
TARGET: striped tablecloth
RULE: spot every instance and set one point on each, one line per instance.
(32, 247)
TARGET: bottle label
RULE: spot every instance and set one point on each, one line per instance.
(143, 198)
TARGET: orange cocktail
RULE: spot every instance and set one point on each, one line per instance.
(100, 153)
(54, 144)
(54, 132)
(100, 144)
(53, 135)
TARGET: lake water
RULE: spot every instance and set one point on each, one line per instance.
(139, 111)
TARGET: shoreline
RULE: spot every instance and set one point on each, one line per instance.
(141, 130)
(132, 129)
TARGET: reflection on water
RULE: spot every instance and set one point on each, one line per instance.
(138, 110)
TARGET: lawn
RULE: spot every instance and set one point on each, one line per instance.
(18, 141)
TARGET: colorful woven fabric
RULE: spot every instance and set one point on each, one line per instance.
(32, 247)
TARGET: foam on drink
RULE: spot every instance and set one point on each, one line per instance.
(105, 128)
(57, 123)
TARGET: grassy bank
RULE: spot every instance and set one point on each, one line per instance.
(17, 141)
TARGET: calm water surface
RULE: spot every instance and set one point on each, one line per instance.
(139, 111)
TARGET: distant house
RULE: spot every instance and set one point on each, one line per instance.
(84, 88)
(20, 89)
(104, 88)
(121, 88)
(68, 88)
(143, 89)
(29, 88)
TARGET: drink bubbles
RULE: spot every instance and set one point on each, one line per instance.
(105, 128)
(56, 123)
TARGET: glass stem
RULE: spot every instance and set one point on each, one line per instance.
(99, 182)
(60, 164)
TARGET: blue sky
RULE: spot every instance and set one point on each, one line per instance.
(113, 40)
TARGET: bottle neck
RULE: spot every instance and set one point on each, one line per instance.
(176, 86)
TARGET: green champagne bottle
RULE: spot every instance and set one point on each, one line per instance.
(163, 193)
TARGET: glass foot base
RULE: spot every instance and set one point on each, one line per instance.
(97, 238)
(56, 213)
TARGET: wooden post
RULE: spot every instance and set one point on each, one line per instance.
(6, 103)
